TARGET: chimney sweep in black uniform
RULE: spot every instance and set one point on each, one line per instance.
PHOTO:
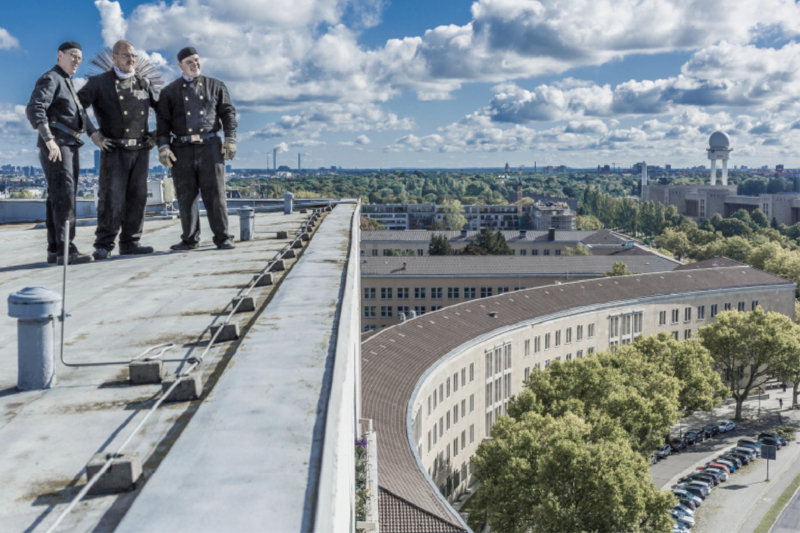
(191, 110)
(122, 100)
(54, 110)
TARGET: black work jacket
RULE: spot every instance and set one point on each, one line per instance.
(52, 101)
(120, 115)
(200, 106)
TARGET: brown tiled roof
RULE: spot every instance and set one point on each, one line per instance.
(398, 515)
(715, 262)
(396, 357)
(424, 236)
(509, 265)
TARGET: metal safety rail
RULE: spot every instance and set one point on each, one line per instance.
(195, 361)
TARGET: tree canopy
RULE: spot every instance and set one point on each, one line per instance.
(488, 242)
(440, 245)
(620, 268)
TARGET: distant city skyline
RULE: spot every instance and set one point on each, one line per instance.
(378, 84)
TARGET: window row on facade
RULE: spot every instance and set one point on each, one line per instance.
(436, 293)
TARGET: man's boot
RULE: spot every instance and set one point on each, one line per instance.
(184, 246)
(101, 253)
(75, 258)
(135, 249)
(52, 257)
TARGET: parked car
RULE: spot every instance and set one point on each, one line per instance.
(684, 510)
(728, 468)
(711, 479)
(721, 473)
(755, 447)
(731, 463)
(663, 452)
(691, 437)
(677, 444)
(686, 495)
(726, 426)
(701, 490)
(746, 458)
(686, 502)
(687, 521)
(784, 442)
(740, 460)
(701, 434)
(753, 451)
(769, 441)
(712, 430)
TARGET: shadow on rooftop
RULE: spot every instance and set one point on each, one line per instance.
(29, 266)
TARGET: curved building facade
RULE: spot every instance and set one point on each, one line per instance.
(436, 384)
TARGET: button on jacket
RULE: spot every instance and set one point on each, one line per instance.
(121, 107)
(197, 107)
(52, 101)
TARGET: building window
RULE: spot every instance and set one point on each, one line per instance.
(386, 293)
(448, 420)
(727, 307)
(434, 398)
(420, 251)
(369, 327)
(579, 354)
(558, 338)
(419, 309)
(429, 441)
(463, 439)
(714, 311)
(471, 372)
(568, 357)
(579, 333)
(534, 252)
(363, 253)
(568, 336)
(471, 402)
(471, 433)
(402, 293)
(590, 331)
(741, 306)
(455, 447)
(502, 290)
(537, 344)
(429, 405)
(435, 434)
(419, 293)
(374, 253)
(455, 414)
(701, 312)
(441, 392)
(452, 293)
(437, 293)
(590, 351)
(753, 305)
(558, 252)
(448, 387)
(436, 307)
(527, 373)
(662, 318)
(369, 311)
(441, 425)
(546, 252)
(675, 315)
(675, 334)
(523, 252)
(455, 382)
(386, 311)
(402, 309)
(687, 334)
(547, 363)
(546, 341)
(613, 328)
(486, 291)
(489, 394)
(369, 293)
(527, 347)
(469, 293)
(687, 314)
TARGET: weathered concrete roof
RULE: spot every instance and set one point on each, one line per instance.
(119, 308)
(395, 358)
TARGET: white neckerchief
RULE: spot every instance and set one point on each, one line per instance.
(187, 78)
(123, 75)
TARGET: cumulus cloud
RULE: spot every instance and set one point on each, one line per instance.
(7, 41)
(112, 21)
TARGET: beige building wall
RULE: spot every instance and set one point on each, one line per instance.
(384, 308)
(458, 400)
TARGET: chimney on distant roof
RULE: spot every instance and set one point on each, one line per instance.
(551, 234)
(404, 265)
(464, 233)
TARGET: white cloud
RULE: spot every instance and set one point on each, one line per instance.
(112, 20)
(7, 41)
(363, 139)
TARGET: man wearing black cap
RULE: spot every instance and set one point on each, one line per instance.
(55, 110)
(191, 110)
(122, 100)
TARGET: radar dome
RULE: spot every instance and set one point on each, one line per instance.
(719, 140)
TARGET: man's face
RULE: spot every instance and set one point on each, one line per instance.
(125, 59)
(190, 66)
(70, 60)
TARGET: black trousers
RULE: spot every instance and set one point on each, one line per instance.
(62, 181)
(200, 171)
(122, 197)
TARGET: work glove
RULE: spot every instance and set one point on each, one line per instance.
(229, 149)
(149, 140)
(166, 157)
(101, 141)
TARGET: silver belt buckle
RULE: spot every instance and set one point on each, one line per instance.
(131, 142)
(195, 138)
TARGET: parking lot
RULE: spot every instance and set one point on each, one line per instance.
(739, 503)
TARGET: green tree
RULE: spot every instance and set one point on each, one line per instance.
(440, 245)
(576, 250)
(759, 218)
(675, 241)
(487, 242)
(565, 475)
(620, 268)
(454, 215)
(749, 347)
(370, 224)
(588, 222)
(399, 253)
(24, 193)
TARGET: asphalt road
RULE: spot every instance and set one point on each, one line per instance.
(789, 520)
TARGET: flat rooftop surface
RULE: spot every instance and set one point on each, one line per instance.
(119, 308)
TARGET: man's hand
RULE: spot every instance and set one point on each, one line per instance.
(229, 149)
(55, 151)
(149, 140)
(166, 157)
(101, 141)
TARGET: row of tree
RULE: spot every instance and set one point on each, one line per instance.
(571, 454)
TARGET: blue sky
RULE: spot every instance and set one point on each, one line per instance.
(376, 83)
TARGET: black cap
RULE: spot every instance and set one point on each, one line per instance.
(186, 52)
(69, 45)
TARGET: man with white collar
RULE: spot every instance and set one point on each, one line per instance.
(121, 100)
(191, 110)
(56, 112)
